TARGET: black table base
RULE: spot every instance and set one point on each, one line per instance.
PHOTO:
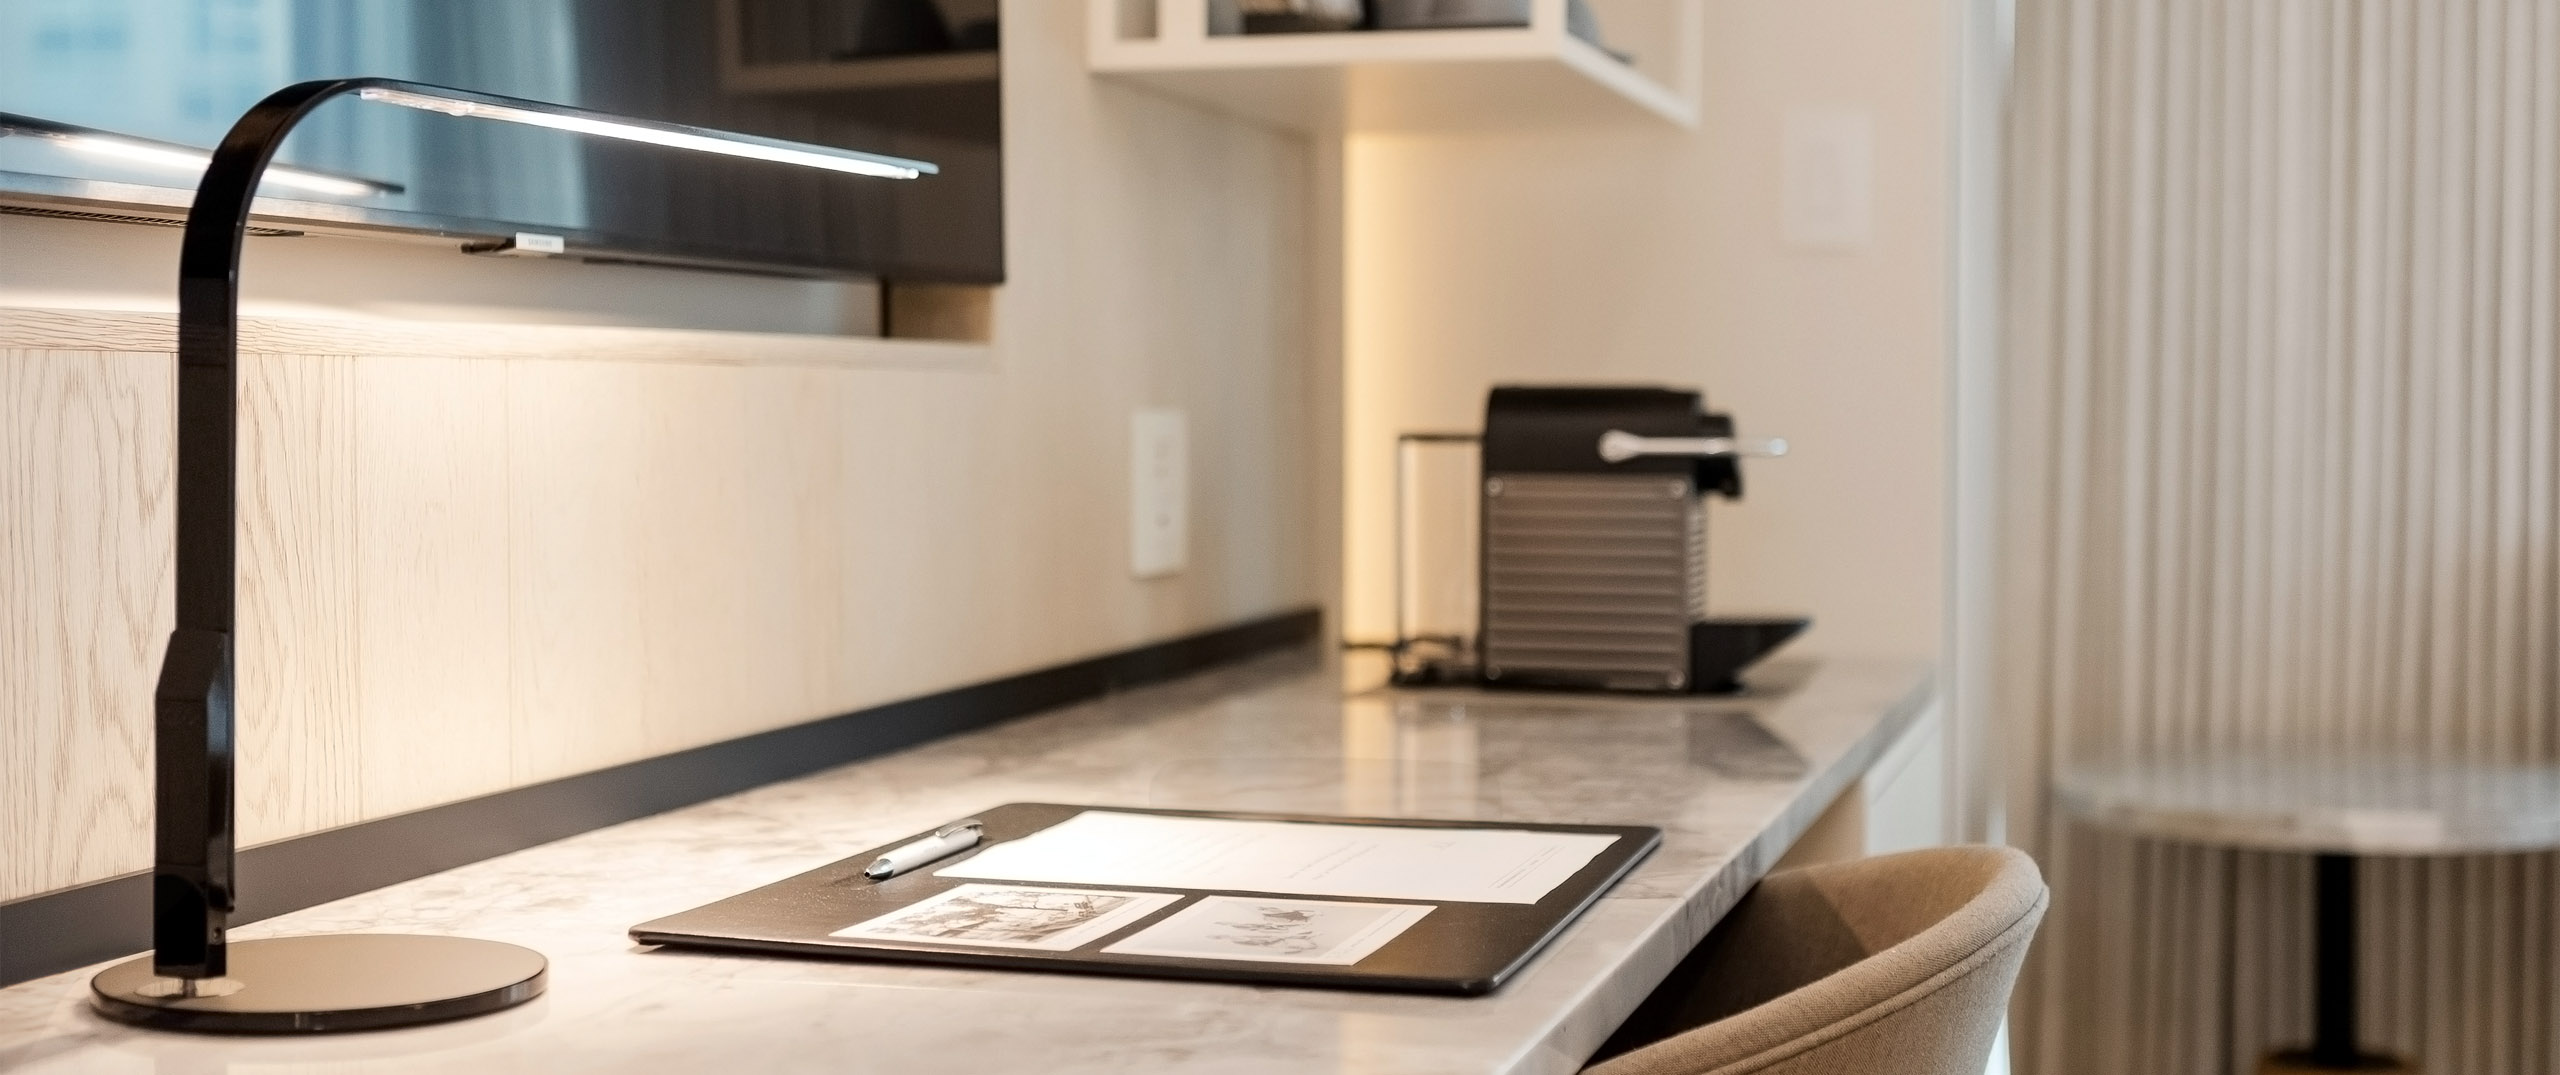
(2333, 1002)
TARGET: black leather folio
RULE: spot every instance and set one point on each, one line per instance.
(1466, 949)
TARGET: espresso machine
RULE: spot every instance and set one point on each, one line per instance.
(1590, 538)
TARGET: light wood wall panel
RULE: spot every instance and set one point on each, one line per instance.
(431, 495)
(85, 451)
(720, 590)
(298, 595)
(2282, 400)
(577, 521)
(480, 556)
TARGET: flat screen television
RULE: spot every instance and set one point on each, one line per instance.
(909, 78)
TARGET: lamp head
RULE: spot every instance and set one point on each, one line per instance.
(671, 135)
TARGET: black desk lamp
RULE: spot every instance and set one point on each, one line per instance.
(194, 980)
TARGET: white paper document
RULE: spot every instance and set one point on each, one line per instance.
(1103, 847)
(1011, 916)
(1274, 930)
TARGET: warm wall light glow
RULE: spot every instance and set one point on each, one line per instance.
(734, 145)
(191, 160)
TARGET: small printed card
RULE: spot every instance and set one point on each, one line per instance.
(1012, 916)
(1274, 930)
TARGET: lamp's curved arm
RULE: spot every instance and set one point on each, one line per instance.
(193, 720)
(193, 846)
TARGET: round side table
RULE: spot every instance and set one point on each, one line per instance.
(2335, 808)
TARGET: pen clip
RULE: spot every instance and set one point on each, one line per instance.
(972, 826)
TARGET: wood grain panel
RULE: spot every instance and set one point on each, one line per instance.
(702, 607)
(84, 609)
(809, 448)
(578, 512)
(433, 530)
(911, 457)
(742, 456)
(297, 645)
(786, 512)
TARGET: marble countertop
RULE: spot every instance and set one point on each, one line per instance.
(1732, 781)
(2362, 804)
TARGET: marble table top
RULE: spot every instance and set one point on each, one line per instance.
(1732, 782)
(2347, 804)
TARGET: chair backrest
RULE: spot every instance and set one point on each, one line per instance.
(1896, 965)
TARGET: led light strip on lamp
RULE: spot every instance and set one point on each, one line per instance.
(171, 155)
(669, 135)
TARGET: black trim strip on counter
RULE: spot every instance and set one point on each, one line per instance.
(74, 927)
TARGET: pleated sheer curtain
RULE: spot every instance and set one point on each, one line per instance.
(2279, 469)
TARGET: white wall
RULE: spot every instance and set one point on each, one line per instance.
(1653, 254)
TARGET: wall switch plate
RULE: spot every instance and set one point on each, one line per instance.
(1828, 193)
(1159, 492)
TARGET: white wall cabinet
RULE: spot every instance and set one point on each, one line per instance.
(1647, 69)
(743, 72)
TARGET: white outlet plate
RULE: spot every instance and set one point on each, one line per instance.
(1828, 197)
(1159, 492)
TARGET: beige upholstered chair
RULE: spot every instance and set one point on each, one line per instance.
(1898, 965)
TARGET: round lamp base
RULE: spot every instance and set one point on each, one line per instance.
(302, 985)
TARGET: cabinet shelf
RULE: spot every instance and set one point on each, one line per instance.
(1411, 80)
(872, 73)
(808, 74)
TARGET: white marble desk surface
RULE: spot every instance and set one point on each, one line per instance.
(2314, 802)
(1279, 733)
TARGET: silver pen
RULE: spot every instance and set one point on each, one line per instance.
(945, 842)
